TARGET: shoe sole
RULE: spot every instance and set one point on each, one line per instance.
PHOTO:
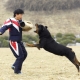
(17, 72)
(13, 67)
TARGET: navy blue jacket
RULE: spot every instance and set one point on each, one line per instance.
(15, 31)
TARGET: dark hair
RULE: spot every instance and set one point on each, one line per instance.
(18, 11)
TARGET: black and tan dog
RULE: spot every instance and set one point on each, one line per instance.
(49, 44)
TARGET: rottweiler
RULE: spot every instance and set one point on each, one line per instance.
(49, 44)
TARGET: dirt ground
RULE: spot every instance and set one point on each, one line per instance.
(39, 65)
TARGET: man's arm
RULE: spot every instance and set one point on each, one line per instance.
(3, 29)
(5, 26)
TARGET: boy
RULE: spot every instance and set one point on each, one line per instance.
(15, 39)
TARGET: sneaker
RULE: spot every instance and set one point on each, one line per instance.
(19, 72)
(13, 67)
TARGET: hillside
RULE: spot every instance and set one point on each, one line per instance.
(64, 21)
(43, 5)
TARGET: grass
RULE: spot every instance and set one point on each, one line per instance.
(39, 65)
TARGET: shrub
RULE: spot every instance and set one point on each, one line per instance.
(59, 39)
(78, 40)
(5, 43)
(59, 35)
(29, 38)
(69, 36)
(66, 39)
(65, 42)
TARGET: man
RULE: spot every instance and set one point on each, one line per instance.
(15, 38)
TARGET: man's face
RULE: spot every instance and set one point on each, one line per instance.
(19, 16)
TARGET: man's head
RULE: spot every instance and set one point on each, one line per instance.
(18, 14)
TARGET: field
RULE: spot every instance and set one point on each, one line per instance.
(39, 65)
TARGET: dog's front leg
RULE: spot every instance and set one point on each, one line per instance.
(33, 45)
(30, 45)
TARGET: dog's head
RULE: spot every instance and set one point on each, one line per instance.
(42, 31)
(40, 28)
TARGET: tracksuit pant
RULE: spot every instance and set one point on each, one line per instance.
(20, 53)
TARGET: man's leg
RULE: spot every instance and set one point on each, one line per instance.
(24, 50)
(14, 53)
(18, 53)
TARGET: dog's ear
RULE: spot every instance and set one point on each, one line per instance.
(46, 27)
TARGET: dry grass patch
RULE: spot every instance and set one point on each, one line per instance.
(39, 65)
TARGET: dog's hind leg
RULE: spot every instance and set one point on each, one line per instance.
(76, 63)
(72, 57)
